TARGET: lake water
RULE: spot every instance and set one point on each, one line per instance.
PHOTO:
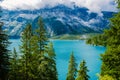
(63, 49)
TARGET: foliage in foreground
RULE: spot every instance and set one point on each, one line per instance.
(106, 77)
(82, 72)
(72, 69)
(4, 54)
(111, 39)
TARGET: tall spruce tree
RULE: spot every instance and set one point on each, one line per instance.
(46, 56)
(82, 73)
(40, 42)
(72, 68)
(25, 49)
(4, 53)
(47, 68)
(41, 36)
(52, 71)
(13, 74)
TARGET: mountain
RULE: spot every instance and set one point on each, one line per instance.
(58, 20)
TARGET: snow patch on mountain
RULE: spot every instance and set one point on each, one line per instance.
(28, 16)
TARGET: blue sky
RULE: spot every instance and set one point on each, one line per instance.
(92, 5)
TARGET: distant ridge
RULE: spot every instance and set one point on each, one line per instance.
(58, 20)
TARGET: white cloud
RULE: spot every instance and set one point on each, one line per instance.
(92, 5)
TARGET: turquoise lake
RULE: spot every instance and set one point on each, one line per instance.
(63, 49)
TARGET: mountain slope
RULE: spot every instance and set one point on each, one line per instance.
(58, 20)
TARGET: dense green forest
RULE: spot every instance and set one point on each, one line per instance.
(37, 58)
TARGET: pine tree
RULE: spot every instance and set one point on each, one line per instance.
(52, 71)
(47, 65)
(4, 54)
(44, 54)
(25, 49)
(111, 58)
(13, 74)
(82, 73)
(72, 69)
(41, 35)
(47, 68)
(39, 42)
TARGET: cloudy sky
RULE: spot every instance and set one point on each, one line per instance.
(92, 5)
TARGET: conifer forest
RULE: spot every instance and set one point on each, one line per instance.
(60, 40)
